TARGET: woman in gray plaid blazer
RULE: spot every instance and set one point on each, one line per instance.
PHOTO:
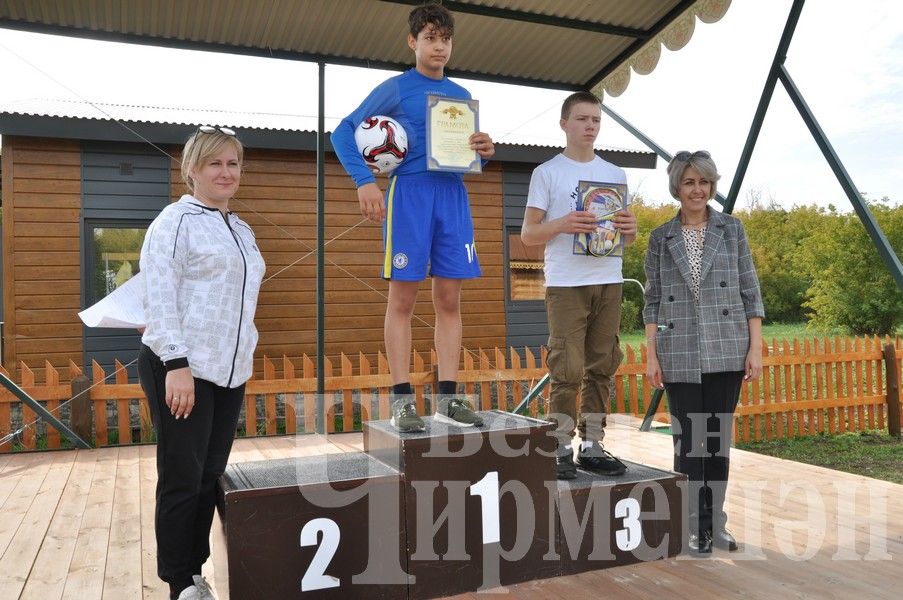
(703, 319)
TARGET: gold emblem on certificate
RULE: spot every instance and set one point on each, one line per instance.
(603, 200)
(449, 124)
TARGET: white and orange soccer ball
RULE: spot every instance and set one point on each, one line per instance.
(382, 142)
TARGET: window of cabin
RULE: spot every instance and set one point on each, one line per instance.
(113, 253)
(525, 276)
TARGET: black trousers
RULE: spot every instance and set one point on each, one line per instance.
(702, 423)
(191, 455)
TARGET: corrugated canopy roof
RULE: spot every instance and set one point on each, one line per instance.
(75, 119)
(563, 44)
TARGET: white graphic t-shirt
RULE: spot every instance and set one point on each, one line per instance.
(553, 188)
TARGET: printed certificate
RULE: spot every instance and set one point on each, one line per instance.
(603, 200)
(449, 124)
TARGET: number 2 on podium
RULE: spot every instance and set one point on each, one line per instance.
(315, 577)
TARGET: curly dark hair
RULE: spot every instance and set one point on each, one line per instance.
(431, 14)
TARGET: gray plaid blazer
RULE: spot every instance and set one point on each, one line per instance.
(712, 336)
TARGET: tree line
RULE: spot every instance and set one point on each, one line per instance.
(815, 265)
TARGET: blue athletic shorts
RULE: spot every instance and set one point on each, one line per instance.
(428, 229)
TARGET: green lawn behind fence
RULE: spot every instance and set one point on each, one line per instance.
(868, 453)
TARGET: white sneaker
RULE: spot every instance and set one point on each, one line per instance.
(199, 591)
(204, 591)
(189, 593)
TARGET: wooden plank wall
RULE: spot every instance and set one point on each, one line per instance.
(41, 204)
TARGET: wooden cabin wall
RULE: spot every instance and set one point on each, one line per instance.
(41, 239)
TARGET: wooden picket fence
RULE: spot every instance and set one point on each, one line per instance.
(818, 385)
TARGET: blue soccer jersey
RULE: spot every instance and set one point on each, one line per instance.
(403, 98)
(428, 228)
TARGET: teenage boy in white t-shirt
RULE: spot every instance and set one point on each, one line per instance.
(583, 291)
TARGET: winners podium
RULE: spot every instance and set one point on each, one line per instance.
(441, 512)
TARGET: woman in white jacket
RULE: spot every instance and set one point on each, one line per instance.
(203, 272)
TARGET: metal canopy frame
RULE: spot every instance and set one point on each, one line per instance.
(39, 408)
(510, 14)
(779, 72)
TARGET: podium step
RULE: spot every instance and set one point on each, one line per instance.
(477, 503)
(321, 527)
(436, 513)
(612, 521)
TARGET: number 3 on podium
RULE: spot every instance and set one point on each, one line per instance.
(628, 538)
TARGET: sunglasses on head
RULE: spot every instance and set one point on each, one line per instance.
(686, 155)
(211, 129)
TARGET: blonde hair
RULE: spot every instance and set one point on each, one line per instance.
(201, 146)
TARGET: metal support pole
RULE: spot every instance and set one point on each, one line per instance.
(534, 392)
(43, 412)
(656, 399)
(636, 132)
(772, 79)
(862, 210)
(321, 196)
(647, 141)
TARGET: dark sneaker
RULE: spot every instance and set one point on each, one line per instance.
(565, 467)
(599, 460)
(725, 540)
(405, 418)
(456, 411)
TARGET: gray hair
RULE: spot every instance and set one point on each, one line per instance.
(700, 160)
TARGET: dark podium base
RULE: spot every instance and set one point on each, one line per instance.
(298, 528)
(452, 475)
(442, 512)
(611, 521)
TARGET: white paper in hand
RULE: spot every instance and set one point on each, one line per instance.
(122, 308)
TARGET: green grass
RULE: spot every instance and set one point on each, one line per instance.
(871, 453)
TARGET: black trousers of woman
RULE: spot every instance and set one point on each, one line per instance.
(702, 426)
(191, 455)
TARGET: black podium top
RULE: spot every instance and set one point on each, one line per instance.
(493, 421)
(635, 473)
(307, 470)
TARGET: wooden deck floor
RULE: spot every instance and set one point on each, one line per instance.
(79, 524)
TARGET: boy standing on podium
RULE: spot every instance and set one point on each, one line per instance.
(583, 292)
(427, 226)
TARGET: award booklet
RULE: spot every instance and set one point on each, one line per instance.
(450, 123)
(603, 200)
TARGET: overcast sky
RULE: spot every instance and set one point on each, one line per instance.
(846, 58)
